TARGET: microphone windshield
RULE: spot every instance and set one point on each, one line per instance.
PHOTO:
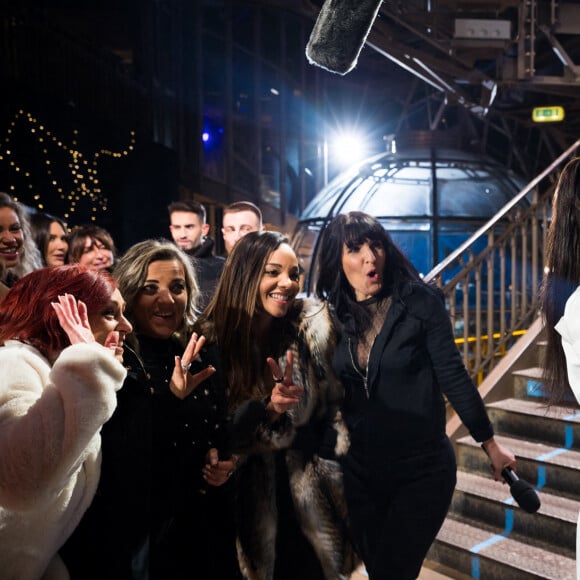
(340, 32)
(522, 491)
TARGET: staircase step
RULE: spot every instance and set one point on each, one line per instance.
(546, 467)
(532, 419)
(528, 384)
(485, 500)
(541, 351)
(487, 555)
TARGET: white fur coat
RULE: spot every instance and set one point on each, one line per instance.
(50, 419)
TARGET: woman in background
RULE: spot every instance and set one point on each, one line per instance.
(92, 246)
(271, 352)
(62, 331)
(153, 516)
(560, 297)
(51, 236)
(396, 358)
(18, 252)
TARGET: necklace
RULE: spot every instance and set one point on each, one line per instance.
(364, 344)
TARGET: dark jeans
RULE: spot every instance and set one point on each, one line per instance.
(396, 507)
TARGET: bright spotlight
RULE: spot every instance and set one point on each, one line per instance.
(347, 148)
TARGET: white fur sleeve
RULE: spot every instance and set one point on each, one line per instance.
(569, 328)
(50, 418)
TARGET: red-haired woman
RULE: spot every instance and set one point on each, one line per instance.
(62, 331)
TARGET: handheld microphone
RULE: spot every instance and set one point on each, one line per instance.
(524, 494)
(521, 491)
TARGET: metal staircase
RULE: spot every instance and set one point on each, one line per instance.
(492, 297)
(486, 534)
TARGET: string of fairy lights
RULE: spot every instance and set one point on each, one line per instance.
(77, 183)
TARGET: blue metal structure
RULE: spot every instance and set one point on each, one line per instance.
(430, 200)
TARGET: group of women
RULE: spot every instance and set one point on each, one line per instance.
(30, 242)
(271, 436)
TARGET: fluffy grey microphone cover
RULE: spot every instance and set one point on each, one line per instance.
(340, 32)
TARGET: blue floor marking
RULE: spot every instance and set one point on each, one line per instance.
(568, 442)
(541, 482)
(551, 454)
(568, 436)
(542, 477)
(534, 388)
(509, 501)
(508, 527)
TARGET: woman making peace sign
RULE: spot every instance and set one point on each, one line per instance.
(272, 353)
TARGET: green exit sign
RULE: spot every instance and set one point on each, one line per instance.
(547, 114)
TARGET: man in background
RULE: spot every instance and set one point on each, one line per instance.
(189, 229)
(240, 218)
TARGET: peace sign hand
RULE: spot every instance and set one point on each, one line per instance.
(183, 383)
(285, 395)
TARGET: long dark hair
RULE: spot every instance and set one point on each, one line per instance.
(354, 229)
(562, 259)
(40, 225)
(233, 308)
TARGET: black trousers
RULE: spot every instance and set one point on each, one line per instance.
(396, 507)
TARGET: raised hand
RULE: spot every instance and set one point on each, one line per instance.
(285, 394)
(183, 383)
(72, 316)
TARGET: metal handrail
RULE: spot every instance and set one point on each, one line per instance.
(501, 213)
(491, 281)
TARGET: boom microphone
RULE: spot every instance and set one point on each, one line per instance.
(340, 32)
(521, 491)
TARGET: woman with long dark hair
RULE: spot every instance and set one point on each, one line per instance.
(51, 236)
(560, 297)
(271, 351)
(397, 359)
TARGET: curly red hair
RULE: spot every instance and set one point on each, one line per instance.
(26, 313)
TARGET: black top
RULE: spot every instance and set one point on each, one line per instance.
(208, 269)
(151, 497)
(399, 407)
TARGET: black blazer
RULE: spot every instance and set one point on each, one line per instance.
(413, 366)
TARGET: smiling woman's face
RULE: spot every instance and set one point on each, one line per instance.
(280, 281)
(57, 245)
(11, 238)
(111, 317)
(364, 266)
(160, 305)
